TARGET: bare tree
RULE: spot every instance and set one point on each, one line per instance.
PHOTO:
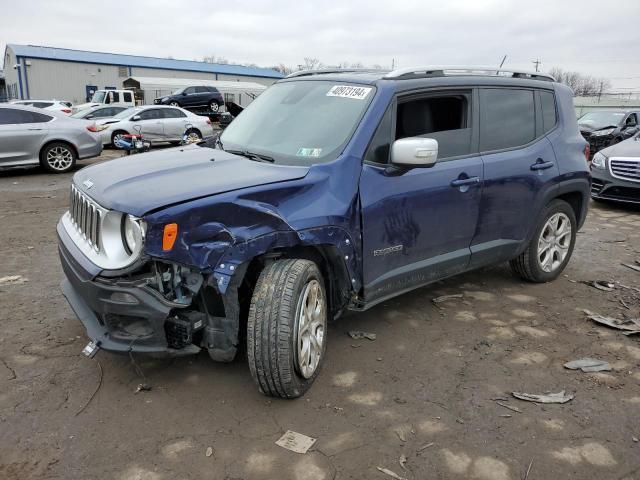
(311, 63)
(282, 68)
(582, 85)
(214, 59)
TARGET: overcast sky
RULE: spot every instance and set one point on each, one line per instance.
(591, 36)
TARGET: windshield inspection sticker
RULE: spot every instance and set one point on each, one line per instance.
(348, 91)
(309, 152)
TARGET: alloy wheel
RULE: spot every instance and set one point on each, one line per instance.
(310, 328)
(59, 158)
(554, 242)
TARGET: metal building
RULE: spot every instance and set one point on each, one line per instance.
(35, 72)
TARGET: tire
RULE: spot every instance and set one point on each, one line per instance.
(540, 265)
(214, 107)
(277, 364)
(174, 104)
(113, 138)
(193, 136)
(58, 157)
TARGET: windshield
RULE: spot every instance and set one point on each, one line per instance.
(299, 123)
(601, 119)
(98, 97)
(179, 91)
(127, 112)
(81, 113)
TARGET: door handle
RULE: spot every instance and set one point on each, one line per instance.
(541, 165)
(34, 129)
(461, 182)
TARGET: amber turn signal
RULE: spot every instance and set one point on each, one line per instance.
(169, 236)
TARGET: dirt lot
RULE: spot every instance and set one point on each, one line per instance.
(423, 389)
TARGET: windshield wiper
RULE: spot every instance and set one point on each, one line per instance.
(252, 156)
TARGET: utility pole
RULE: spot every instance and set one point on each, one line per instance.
(537, 64)
(393, 64)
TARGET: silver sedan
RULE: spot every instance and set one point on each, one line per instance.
(31, 136)
(155, 124)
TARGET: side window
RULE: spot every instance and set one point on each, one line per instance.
(190, 90)
(632, 120)
(507, 118)
(380, 146)
(40, 118)
(126, 97)
(172, 113)
(548, 102)
(116, 97)
(201, 89)
(152, 114)
(9, 116)
(445, 118)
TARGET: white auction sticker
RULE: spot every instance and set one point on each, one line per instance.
(349, 91)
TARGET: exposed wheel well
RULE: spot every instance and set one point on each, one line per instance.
(193, 129)
(329, 262)
(71, 145)
(576, 200)
(116, 132)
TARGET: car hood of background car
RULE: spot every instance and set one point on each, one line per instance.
(141, 183)
(628, 148)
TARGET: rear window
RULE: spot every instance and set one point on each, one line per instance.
(507, 118)
(548, 103)
(42, 104)
(126, 97)
(9, 116)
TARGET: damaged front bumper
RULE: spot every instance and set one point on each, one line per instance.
(126, 314)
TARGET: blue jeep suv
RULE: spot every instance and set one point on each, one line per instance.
(331, 191)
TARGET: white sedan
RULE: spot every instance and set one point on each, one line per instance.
(53, 105)
(155, 124)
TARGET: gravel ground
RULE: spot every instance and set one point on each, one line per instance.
(424, 390)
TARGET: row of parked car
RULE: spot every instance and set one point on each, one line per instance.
(35, 133)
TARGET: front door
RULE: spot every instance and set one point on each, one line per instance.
(151, 124)
(21, 135)
(418, 223)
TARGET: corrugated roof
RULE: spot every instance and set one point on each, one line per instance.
(65, 54)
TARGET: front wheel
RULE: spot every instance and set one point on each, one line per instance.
(552, 244)
(287, 327)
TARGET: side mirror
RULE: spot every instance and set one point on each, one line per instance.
(414, 152)
(184, 94)
(89, 117)
(136, 118)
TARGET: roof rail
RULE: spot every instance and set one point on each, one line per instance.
(320, 71)
(449, 70)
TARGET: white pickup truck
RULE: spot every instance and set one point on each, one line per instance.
(123, 98)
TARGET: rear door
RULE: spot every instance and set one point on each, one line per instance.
(175, 123)
(151, 124)
(520, 168)
(21, 134)
(418, 223)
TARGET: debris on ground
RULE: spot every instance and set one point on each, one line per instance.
(296, 442)
(632, 267)
(526, 475)
(635, 439)
(513, 409)
(401, 435)
(390, 473)
(425, 446)
(209, 451)
(560, 397)
(403, 462)
(446, 298)
(603, 285)
(357, 335)
(588, 365)
(94, 392)
(12, 280)
(143, 387)
(629, 325)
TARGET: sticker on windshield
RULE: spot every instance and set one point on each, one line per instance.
(348, 91)
(309, 152)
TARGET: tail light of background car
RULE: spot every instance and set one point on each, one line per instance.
(587, 153)
(66, 110)
(96, 128)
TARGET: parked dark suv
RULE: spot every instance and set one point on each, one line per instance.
(331, 192)
(195, 96)
(602, 128)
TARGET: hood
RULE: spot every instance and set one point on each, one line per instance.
(141, 183)
(628, 148)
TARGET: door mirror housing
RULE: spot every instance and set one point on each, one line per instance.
(136, 118)
(184, 94)
(414, 152)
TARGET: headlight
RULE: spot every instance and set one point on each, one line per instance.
(132, 233)
(599, 133)
(598, 161)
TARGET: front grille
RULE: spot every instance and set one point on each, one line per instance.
(625, 168)
(86, 216)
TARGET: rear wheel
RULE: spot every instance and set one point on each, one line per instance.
(58, 157)
(551, 247)
(193, 136)
(214, 107)
(287, 328)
